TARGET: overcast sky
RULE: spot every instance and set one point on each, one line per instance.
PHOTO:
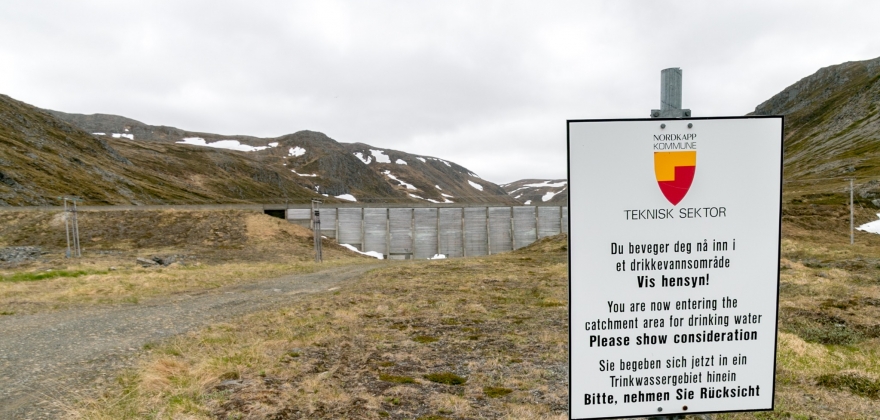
(486, 84)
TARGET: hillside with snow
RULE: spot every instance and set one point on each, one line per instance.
(354, 172)
(538, 191)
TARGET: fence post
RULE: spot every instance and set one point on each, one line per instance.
(388, 234)
(438, 231)
(463, 239)
(488, 234)
(512, 230)
(412, 236)
(852, 238)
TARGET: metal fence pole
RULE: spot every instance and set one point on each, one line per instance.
(67, 227)
(77, 251)
(852, 238)
(316, 227)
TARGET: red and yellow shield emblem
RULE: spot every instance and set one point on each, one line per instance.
(675, 173)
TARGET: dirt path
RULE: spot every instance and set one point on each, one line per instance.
(45, 359)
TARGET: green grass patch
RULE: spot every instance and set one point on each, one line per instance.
(230, 376)
(818, 327)
(46, 275)
(446, 378)
(856, 384)
(496, 391)
(397, 379)
(550, 303)
(425, 339)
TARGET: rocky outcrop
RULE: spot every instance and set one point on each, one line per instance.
(19, 254)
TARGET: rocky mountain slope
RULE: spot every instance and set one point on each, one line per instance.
(43, 158)
(538, 191)
(352, 171)
(832, 127)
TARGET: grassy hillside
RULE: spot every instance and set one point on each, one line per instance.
(832, 133)
(326, 165)
(44, 158)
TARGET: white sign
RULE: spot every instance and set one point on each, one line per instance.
(674, 265)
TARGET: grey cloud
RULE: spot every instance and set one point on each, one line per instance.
(486, 84)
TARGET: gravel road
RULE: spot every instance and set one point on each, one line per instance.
(48, 359)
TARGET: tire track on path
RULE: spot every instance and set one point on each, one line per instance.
(47, 359)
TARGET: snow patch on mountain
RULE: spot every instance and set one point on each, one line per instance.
(347, 197)
(219, 144)
(549, 196)
(380, 156)
(475, 185)
(294, 171)
(533, 190)
(426, 199)
(401, 183)
(400, 162)
(295, 151)
(445, 201)
(360, 156)
(547, 184)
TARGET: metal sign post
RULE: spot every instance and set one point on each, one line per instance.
(670, 107)
(673, 262)
(316, 227)
(670, 95)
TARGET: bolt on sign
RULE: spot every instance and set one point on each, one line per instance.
(674, 265)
